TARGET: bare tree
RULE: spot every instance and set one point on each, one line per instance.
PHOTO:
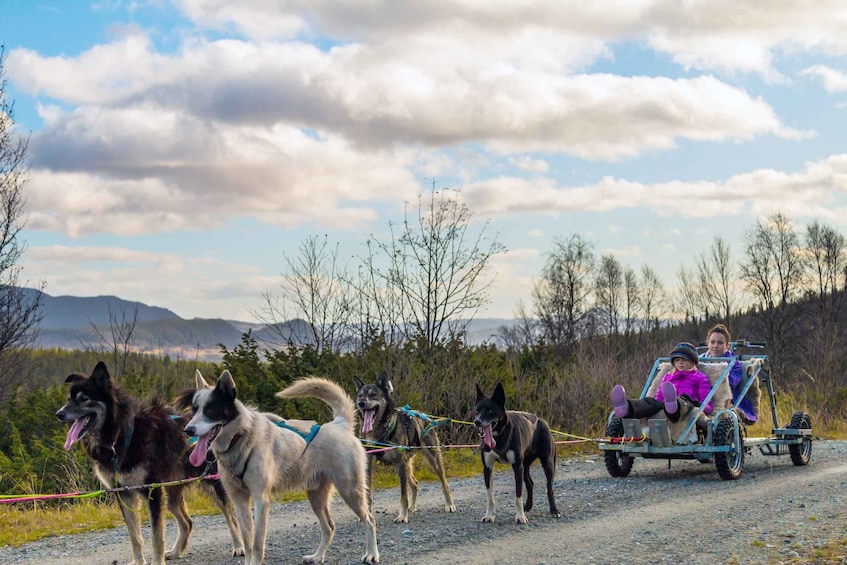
(823, 341)
(688, 296)
(562, 294)
(378, 307)
(717, 278)
(826, 251)
(608, 290)
(654, 298)
(119, 341)
(521, 335)
(435, 267)
(20, 308)
(773, 269)
(631, 303)
(315, 288)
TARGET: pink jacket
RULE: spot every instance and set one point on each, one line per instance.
(693, 383)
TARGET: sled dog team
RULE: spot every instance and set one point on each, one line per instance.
(134, 443)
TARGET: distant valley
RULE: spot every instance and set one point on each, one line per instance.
(73, 322)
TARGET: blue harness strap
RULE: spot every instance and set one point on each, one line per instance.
(417, 414)
(308, 437)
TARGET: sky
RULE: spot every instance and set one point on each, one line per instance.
(181, 150)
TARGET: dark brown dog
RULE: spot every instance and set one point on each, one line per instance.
(136, 444)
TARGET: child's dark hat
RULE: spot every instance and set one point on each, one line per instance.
(686, 351)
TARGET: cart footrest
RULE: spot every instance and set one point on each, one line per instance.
(660, 435)
(632, 428)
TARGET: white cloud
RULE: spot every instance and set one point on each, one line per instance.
(629, 251)
(833, 80)
(713, 35)
(813, 192)
(142, 171)
(613, 229)
(195, 283)
(503, 91)
(257, 19)
(526, 163)
(514, 281)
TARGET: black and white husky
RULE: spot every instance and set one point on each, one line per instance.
(136, 444)
(258, 453)
(382, 422)
(518, 438)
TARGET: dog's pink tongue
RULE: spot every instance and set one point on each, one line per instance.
(74, 431)
(198, 456)
(488, 437)
(367, 421)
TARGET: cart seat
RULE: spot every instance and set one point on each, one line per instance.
(754, 394)
(721, 400)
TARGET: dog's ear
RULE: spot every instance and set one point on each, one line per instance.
(100, 375)
(185, 399)
(499, 396)
(358, 383)
(383, 382)
(75, 377)
(226, 385)
(199, 381)
(479, 394)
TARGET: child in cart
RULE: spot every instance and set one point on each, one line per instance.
(681, 389)
(718, 340)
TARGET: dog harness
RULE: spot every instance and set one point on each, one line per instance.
(308, 437)
(116, 460)
(392, 427)
(417, 414)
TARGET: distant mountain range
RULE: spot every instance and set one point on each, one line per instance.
(73, 322)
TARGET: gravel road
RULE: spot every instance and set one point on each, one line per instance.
(775, 513)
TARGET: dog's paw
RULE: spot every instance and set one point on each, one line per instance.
(313, 558)
(238, 552)
(521, 519)
(368, 558)
(555, 514)
(488, 519)
(449, 507)
(401, 519)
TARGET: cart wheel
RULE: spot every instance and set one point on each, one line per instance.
(618, 464)
(730, 464)
(801, 452)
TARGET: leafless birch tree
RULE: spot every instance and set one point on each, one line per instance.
(20, 309)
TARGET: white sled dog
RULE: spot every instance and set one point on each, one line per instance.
(258, 453)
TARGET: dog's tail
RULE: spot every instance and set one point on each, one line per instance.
(328, 391)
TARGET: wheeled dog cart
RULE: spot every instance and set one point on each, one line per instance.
(720, 437)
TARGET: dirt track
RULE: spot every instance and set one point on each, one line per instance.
(774, 513)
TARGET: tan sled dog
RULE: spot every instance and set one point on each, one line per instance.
(258, 453)
(382, 422)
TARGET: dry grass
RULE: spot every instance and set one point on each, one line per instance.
(28, 522)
